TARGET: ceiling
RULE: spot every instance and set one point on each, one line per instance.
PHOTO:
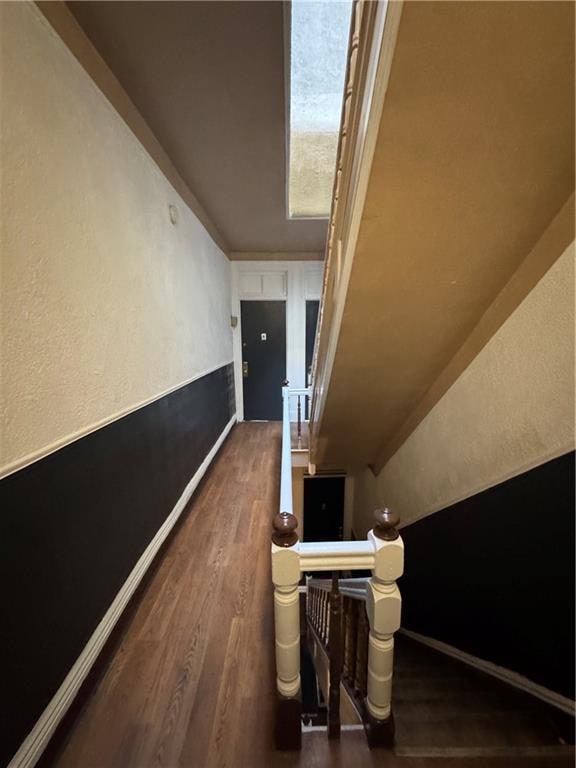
(208, 78)
(474, 159)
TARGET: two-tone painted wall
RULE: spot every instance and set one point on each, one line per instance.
(117, 374)
(485, 489)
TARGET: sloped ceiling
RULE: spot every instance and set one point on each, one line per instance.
(208, 77)
(474, 159)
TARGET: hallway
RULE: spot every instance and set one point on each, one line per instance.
(192, 680)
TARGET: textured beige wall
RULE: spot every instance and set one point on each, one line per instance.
(511, 409)
(106, 305)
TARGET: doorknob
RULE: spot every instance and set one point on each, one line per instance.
(244, 368)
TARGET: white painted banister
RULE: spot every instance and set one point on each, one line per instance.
(286, 461)
(302, 391)
(382, 553)
(336, 556)
(383, 606)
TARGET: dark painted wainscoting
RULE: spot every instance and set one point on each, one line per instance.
(494, 575)
(73, 526)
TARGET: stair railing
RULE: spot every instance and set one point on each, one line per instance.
(350, 625)
(383, 554)
(298, 397)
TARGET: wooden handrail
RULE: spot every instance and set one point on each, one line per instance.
(335, 655)
(353, 588)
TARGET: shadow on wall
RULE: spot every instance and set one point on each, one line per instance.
(493, 575)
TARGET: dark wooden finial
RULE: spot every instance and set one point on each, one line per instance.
(385, 524)
(284, 527)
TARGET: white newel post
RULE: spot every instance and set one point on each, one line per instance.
(285, 577)
(383, 605)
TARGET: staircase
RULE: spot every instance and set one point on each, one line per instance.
(442, 707)
(343, 663)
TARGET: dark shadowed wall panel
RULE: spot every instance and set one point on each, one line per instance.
(73, 526)
(493, 575)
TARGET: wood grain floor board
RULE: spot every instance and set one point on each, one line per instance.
(191, 684)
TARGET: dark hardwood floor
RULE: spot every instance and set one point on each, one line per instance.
(191, 682)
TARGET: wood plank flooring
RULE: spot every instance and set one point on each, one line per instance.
(192, 680)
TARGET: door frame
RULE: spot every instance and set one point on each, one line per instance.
(302, 281)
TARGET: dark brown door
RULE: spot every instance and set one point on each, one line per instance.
(323, 508)
(263, 358)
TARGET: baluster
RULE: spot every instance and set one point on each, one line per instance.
(335, 655)
(303, 611)
(311, 604)
(299, 424)
(315, 608)
(346, 612)
(326, 616)
(358, 606)
(361, 651)
(285, 576)
(345, 639)
(383, 605)
(351, 624)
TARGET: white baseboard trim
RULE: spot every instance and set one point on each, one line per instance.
(36, 741)
(552, 750)
(506, 675)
